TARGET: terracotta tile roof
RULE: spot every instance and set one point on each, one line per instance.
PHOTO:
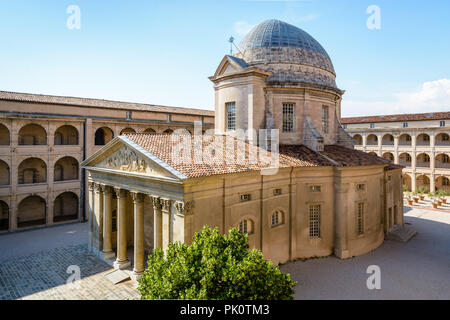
(346, 157)
(161, 146)
(393, 166)
(99, 103)
(398, 117)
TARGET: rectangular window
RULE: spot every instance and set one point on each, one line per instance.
(360, 218)
(372, 125)
(245, 197)
(360, 187)
(277, 192)
(345, 126)
(314, 188)
(288, 117)
(442, 123)
(314, 221)
(405, 124)
(325, 119)
(128, 115)
(231, 116)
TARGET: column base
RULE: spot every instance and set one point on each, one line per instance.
(107, 255)
(122, 264)
(136, 276)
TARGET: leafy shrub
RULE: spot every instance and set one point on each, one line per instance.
(423, 190)
(213, 267)
(405, 188)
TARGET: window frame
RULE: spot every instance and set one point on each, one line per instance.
(230, 115)
(315, 221)
(288, 125)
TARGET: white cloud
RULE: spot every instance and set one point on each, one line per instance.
(308, 17)
(433, 96)
(242, 27)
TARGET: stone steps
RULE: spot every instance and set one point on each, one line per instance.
(403, 234)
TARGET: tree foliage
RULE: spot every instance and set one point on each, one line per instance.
(213, 267)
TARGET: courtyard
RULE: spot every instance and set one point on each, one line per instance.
(34, 264)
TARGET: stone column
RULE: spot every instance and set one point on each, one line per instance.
(157, 223)
(91, 215)
(122, 259)
(139, 263)
(98, 218)
(166, 215)
(432, 182)
(413, 141)
(413, 181)
(107, 253)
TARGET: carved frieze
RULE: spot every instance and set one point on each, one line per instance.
(126, 159)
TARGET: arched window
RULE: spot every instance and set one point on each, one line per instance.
(65, 207)
(445, 181)
(66, 168)
(127, 130)
(4, 216)
(103, 136)
(246, 226)
(66, 135)
(168, 131)
(31, 212)
(32, 170)
(277, 218)
(4, 135)
(32, 134)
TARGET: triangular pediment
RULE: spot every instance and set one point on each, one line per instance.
(229, 65)
(120, 157)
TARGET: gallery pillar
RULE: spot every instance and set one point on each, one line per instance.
(166, 234)
(122, 261)
(138, 205)
(107, 223)
(157, 225)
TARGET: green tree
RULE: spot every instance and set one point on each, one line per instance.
(214, 267)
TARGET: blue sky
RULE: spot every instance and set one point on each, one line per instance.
(162, 51)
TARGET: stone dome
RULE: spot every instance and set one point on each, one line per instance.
(289, 52)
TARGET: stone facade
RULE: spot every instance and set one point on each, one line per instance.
(43, 140)
(420, 144)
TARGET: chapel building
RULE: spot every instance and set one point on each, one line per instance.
(324, 197)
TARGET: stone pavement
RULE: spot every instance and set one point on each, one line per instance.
(33, 265)
(418, 269)
(38, 270)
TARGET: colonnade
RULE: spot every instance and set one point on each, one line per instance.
(101, 221)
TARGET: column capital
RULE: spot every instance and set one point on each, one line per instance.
(137, 197)
(91, 185)
(120, 193)
(156, 202)
(98, 187)
(165, 204)
(184, 208)
(106, 189)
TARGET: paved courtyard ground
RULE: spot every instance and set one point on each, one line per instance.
(418, 269)
(33, 265)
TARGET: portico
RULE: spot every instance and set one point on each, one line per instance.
(132, 203)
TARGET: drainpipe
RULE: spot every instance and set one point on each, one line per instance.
(83, 176)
